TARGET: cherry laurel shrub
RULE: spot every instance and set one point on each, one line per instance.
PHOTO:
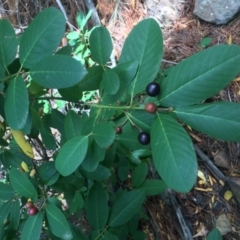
(101, 173)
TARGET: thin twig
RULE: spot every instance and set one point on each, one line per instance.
(95, 18)
(185, 229)
(64, 13)
(209, 163)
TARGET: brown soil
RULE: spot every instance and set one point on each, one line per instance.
(205, 203)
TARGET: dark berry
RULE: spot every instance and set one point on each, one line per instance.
(144, 138)
(118, 130)
(32, 211)
(150, 107)
(153, 89)
(29, 204)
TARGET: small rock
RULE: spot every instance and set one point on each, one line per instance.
(222, 160)
(216, 11)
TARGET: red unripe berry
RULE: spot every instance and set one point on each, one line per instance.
(32, 211)
(150, 107)
(118, 130)
(29, 204)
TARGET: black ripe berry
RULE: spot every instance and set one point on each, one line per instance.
(118, 130)
(153, 89)
(144, 138)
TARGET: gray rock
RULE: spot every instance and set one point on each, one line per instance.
(216, 11)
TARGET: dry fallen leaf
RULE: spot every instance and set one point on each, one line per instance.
(228, 195)
(223, 224)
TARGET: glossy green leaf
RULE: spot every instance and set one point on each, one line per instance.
(97, 207)
(6, 191)
(32, 227)
(123, 173)
(2, 75)
(100, 45)
(71, 155)
(72, 94)
(47, 171)
(77, 203)
(42, 37)
(8, 43)
(22, 184)
(58, 71)
(125, 208)
(92, 80)
(94, 155)
(141, 119)
(101, 173)
(104, 134)
(173, 154)
(47, 137)
(14, 218)
(214, 235)
(135, 156)
(200, 76)
(139, 174)
(16, 103)
(145, 45)
(58, 118)
(129, 138)
(5, 209)
(3, 142)
(108, 236)
(126, 72)
(110, 82)
(73, 125)
(220, 120)
(153, 187)
(58, 223)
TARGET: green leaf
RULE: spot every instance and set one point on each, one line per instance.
(200, 76)
(58, 71)
(73, 125)
(129, 138)
(126, 72)
(32, 227)
(110, 82)
(72, 94)
(123, 173)
(97, 207)
(58, 121)
(16, 103)
(100, 45)
(6, 191)
(22, 184)
(220, 120)
(3, 142)
(77, 203)
(173, 154)
(145, 45)
(58, 223)
(101, 173)
(94, 155)
(214, 235)
(71, 155)
(108, 236)
(14, 215)
(47, 171)
(42, 37)
(125, 208)
(141, 119)
(47, 137)
(5, 210)
(8, 43)
(92, 80)
(139, 174)
(104, 134)
(153, 187)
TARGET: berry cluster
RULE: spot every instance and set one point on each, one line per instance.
(32, 210)
(152, 89)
